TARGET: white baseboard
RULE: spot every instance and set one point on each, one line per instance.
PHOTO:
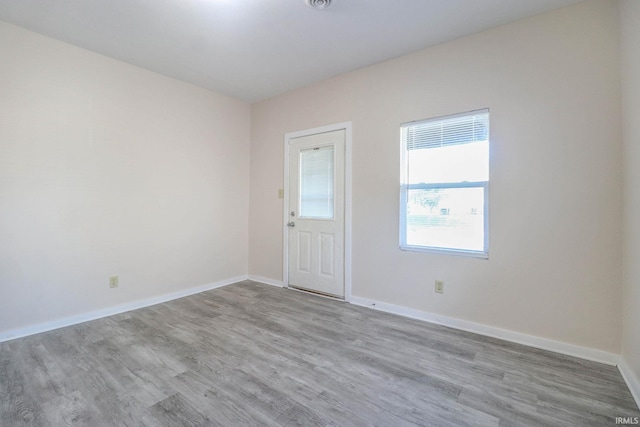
(267, 281)
(542, 343)
(490, 331)
(631, 379)
(110, 311)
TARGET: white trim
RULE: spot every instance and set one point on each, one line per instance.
(445, 251)
(347, 210)
(347, 126)
(110, 311)
(490, 331)
(631, 379)
(267, 281)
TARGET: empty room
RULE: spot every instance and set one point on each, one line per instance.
(319, 212)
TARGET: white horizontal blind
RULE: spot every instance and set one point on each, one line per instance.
(316, 183)
(451, 130)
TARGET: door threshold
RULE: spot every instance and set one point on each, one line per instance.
(316, 293)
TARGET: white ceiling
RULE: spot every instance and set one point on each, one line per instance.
(255, 49)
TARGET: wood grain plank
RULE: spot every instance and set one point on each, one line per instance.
(251, 354)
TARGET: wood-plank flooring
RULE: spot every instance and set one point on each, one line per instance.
(251, 354)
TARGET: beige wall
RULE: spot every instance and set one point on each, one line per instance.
(552, 83)
(107, 169)
(630, 44)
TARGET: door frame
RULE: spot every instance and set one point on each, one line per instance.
(346, 126)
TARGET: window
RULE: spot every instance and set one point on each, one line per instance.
(444, 184)
(316, 183)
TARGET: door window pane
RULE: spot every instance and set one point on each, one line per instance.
(316, 183)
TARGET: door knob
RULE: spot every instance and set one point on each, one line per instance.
(291, 224)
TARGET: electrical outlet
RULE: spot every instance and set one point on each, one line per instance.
(440, 286)
(113, 281)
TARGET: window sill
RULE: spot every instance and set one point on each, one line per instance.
(444, 251)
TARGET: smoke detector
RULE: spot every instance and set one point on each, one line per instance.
(318, 4)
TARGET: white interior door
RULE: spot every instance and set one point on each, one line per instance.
(316, 212)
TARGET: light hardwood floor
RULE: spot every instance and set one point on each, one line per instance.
(252, 354)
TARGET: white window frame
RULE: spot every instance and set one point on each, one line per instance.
(404, 189)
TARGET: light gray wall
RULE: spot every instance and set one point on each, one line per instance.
(552, 83)
(630, 48)
(107, 169)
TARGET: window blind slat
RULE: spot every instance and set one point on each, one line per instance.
(448, 131)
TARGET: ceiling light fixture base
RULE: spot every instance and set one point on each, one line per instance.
(318, 4)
